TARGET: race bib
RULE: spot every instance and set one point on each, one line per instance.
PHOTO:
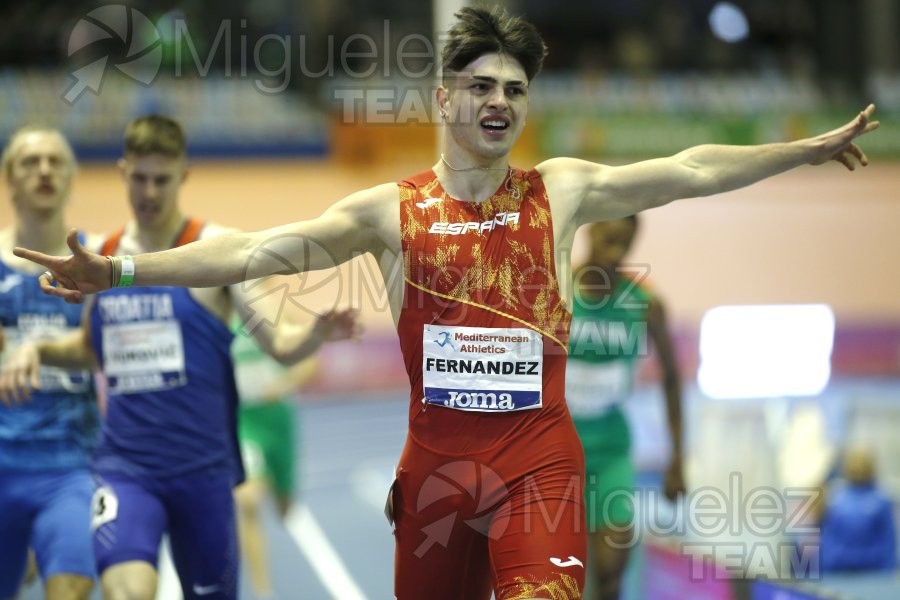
(143, 356)
(482, 369)
(593, 388)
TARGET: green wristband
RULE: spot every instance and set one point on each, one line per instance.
(127, 276)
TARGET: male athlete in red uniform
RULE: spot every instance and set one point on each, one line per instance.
(476, 260)
(483, 330)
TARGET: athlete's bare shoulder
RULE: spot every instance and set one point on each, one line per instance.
(374, 202)
(569, 177)
(574, 185)
(375, 211)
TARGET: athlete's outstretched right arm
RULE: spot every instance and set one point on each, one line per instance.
(352, 226)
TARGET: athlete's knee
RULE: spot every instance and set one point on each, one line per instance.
(123, 590)
(248, 499)
(610, 550)
(67, 586)
(135, 580)
(283, 504)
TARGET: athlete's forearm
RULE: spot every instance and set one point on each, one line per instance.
(215, 262)
(672, 391)
(68, 351)
(695, 172)
(293, 379)
(294, 343)
(223, 260)
(658, 327)
(717, 169)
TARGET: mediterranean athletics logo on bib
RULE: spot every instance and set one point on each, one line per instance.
(482, 369)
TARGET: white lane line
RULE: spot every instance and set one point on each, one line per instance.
(168, 586)
(370, 482)
(314, 545)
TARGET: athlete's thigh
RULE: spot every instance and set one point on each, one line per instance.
(538, 539)
(440, 517)
(203, 535)
(268, 445)
(252, 439)
(609, 490)
(128, 520)
(254, 459)
(17, 507)
(281, 449)
(61, 536)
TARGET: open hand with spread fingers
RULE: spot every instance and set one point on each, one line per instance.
(71, 277)
(838, 144)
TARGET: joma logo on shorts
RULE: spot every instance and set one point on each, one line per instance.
(480, 401)
(502, 219)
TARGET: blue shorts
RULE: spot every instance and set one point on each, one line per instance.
(131, 515)
(51, 512)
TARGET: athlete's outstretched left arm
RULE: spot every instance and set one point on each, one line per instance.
(266, 314)
(595, 192)
(352, 226)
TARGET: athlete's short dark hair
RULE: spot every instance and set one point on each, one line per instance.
(479, 31)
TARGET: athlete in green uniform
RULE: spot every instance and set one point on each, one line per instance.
(613, 319)
(267, 425)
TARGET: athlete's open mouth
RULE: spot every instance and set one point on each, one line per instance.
(494, 124)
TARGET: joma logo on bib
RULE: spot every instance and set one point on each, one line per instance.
(480, 400)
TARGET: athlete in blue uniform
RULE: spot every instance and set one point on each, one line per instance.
(168, 456)
(45, 484)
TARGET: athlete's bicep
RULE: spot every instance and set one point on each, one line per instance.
(596, 192)
(349, 228)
